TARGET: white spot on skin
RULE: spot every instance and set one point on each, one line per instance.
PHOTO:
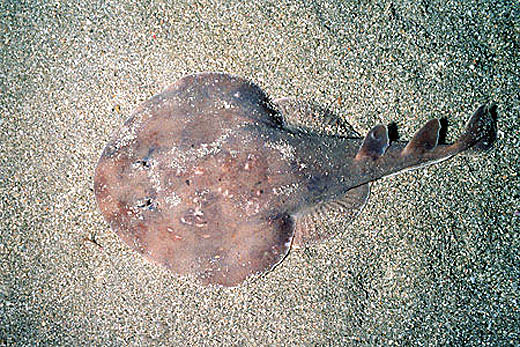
(153, 175)
(287, 189)
(173, 200)
(226, 194)
(213, 147)
(287, 151)
(252, 207)
(182, 157)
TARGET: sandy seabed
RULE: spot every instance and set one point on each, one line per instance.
(433, 259)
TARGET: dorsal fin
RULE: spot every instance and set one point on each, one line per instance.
(375, 144)
(304, 114)
(425, 139)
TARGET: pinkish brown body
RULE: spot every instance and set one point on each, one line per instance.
(207, 178)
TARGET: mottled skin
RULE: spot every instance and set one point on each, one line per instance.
(207, 178)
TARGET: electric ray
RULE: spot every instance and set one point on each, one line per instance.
(210, 178)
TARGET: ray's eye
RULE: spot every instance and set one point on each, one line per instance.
(146, 203)
(143, 163)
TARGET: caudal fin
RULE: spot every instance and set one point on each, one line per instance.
(481, 129)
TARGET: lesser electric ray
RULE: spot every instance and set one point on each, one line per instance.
(209, 178)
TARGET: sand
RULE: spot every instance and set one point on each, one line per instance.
(433, 259)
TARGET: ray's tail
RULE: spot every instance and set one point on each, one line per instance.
(383, 158)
